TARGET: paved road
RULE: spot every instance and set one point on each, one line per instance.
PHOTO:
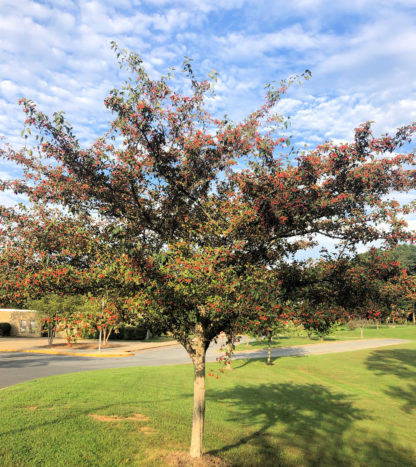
(18, 367)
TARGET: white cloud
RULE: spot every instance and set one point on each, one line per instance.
(9, 199)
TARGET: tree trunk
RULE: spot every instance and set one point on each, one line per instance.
(229, 353)
(199, 400)
(362, 332)
(106, 336)
(269, 349)
(414, 317)
(51, 333)
(321, 338)
(248, 340)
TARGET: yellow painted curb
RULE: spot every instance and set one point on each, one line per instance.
(74, 354)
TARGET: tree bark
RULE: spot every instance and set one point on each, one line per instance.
(51, 333)
(229, 352)
(269, 349)
(414, 317)
(199, 399)
(106, 336)
(362, 332)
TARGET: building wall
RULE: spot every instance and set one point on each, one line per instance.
(23, 322)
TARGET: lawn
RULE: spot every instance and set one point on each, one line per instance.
(346, 409)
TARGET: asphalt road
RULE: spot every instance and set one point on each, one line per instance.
(18, 367)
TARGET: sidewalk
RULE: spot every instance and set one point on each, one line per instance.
(82, 348)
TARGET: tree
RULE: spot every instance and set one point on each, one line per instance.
(100, 314)
(62, 313)
(187, 206)
(408, 293)
(53, 309)
(404, 254)
(267, 311)
(401, 287)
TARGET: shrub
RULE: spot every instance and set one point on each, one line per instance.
(5, 329)
(352, 325)
(137, 333)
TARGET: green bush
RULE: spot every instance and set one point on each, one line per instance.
(5, 329)
(126, 332)
(132, 333)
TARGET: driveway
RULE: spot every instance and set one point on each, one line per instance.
(17, 367)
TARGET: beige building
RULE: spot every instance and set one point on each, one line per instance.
(23, 322)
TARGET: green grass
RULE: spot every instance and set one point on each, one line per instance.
(346, 409)
(343, 334)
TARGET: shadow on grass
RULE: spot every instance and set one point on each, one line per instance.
(292, 424)
(400, 363)
(243, 360)
(406, 396)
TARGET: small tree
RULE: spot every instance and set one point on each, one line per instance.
(188, 206)
(100, 314)
(320, 319)
(267, 315)
(59, 313)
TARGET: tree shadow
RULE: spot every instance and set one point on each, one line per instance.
(294, 424)
(20, 361)
(242, 361)
(406, 396)
(23, 360)
(400, 363)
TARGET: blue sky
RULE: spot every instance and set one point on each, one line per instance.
(362, 54)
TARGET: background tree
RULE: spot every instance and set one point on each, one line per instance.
(408, 293)
(267, 313)
(404, 254)
(100, 315)
(60, 313)
(175, 208)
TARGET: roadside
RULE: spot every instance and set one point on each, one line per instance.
(83, 347)
(89, 347)
(17, 367)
